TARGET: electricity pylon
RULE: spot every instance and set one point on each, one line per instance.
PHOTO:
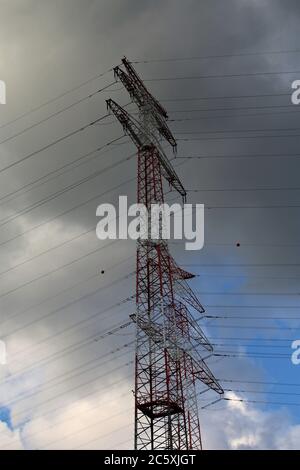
(169, 342)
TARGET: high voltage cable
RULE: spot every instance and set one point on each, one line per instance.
(52, 312)
(236, 137)
(250, 327)
(199, 118)
(257, 355)
(43, 276)
(57, 294)
(40, 388)
(262, 402)
(75, 326)
(66, 212)
(281, 206)
(271, 383)
(52, 100)
(272, 155)
(99, 437)
(250, 318)
(82, 159)
(252, 401)
(75, 414)
(259, 382)
(235, 338)
(77, 368)
(60, 192)
(226, 131)
(232, 108)
(231, 75)
(56, 310)
(66, 436)
(200, 98)
(215, 190)
(265, 245)
(251, 293)
(215, 56)
(240, 264)
(86, 179)
(46, 147)
(248, 276)
(57, 113)
(253, 306)
(95, 378)
(262, 392)
(69, 210)
(237, 345)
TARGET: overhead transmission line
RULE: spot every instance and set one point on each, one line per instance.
(56, 113)
(216, 56)
(52, 100)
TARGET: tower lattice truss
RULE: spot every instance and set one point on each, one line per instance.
(169, 342)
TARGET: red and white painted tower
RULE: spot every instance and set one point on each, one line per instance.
(169, 342)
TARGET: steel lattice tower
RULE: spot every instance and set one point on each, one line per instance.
(169, 342)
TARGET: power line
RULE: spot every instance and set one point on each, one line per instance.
(74, 433)
(46, 147)
(43, 276)
(226, 131)
(265, 245)
(215, 190)
(237, 345)
(216, 56)
(252, 355)
(230, 317)
(204, 98)
(57, 113)
(52, 100)
(247, 276)
(236, 137)
(261, 402)
(199, 118)
(78, 368)
(51, 297)
(82, 159)
(235, 338)
(259, 382)
(95, 378)
(272, 155)
(74, 326)
(281, 206)
(75, 414)
(254, 306)
(60, 192)
(231, 75)
(257, 327)
(241, 264)
(262, 391)
(251, 293)
(232, 108)
(61, 308)
(25, 232)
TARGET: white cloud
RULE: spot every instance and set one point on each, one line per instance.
(240, 425)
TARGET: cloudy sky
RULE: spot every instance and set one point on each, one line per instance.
(68, 383)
